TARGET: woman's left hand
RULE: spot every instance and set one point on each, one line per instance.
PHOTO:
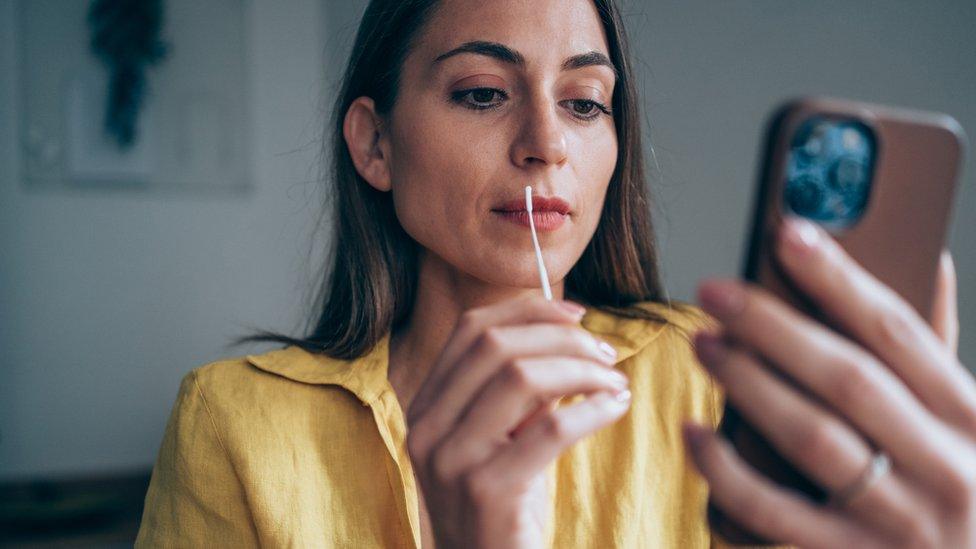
(892, 384)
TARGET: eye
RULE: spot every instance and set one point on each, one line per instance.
(587, 109)
(479, 98)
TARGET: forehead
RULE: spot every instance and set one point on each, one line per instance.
(544, 31)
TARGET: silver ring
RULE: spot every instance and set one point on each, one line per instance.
(878, 467)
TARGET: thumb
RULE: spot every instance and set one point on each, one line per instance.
(945, 317)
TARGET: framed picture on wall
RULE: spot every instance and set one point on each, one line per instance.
(193, 125)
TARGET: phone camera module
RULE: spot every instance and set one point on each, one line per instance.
(806, 195)
(812, 144)
(829, 171)
(848, 175)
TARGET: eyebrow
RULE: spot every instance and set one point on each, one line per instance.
(508, 55)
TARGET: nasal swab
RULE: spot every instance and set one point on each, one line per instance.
(543, 276)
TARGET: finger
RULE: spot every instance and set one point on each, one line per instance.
(876, 316)
(472, 324)
(835, 370)
(512, 394)
(550, 406)
(545, 439)
(761, 507)
(809, 436)
(945, 314)
(494, 350)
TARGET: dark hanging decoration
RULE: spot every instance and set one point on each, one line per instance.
(125, 35)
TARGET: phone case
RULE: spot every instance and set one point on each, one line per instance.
(898, 237)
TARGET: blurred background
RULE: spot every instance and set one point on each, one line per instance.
(120, 273)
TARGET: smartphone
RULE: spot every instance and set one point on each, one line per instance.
(881, 181)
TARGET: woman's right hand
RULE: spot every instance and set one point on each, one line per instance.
(483, 427)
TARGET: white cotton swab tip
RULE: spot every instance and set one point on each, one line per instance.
(543, 275)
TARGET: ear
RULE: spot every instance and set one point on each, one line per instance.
(366, 139)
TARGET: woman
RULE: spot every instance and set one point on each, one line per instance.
(439, 400)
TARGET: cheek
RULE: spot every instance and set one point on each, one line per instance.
(438, 178)
(598, 158)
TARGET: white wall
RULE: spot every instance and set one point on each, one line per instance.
(108, 298)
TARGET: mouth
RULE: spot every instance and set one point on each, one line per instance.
(539, 204)
(543, 221)
(548, 213)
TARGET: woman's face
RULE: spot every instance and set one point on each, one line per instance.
(525, 101)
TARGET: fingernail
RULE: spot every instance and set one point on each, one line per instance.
(618, 400)
(710, 348)
(945, 260)
(608, 350)
(800, 235)
(617, 379)
(572, 308)
(722, 298)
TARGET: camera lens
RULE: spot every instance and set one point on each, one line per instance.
(810, 142)
(812, 147)
(848, 175)
(805, 195)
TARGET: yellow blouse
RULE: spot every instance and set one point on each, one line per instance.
(294, 449)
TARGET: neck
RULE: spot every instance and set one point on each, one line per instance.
(443, 294)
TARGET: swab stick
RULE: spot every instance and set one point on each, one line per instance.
(543, 275)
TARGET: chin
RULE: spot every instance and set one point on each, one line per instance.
(521, 276)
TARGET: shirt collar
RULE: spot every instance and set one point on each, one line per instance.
(366, 376)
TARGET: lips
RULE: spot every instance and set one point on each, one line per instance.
(539, 204)
(548, 213)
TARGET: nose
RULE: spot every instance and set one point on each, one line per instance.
(541, 137)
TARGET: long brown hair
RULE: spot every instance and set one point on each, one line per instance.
(370, 286)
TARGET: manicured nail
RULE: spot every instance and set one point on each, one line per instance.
(616, 401)
(617, 379)
(710, 348)
(572, 308)
(800, 235)
(608, 350)
(722, 298)
(946, 263)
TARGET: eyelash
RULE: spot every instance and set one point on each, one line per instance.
(459, 98)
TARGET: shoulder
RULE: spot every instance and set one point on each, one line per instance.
(659, 357)
(669, 329)
(244, 394)
(684, 317)
(290, 370)
(224, 374)
(642, 324)
(227, 389)
(233, 382)
(213, 382)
